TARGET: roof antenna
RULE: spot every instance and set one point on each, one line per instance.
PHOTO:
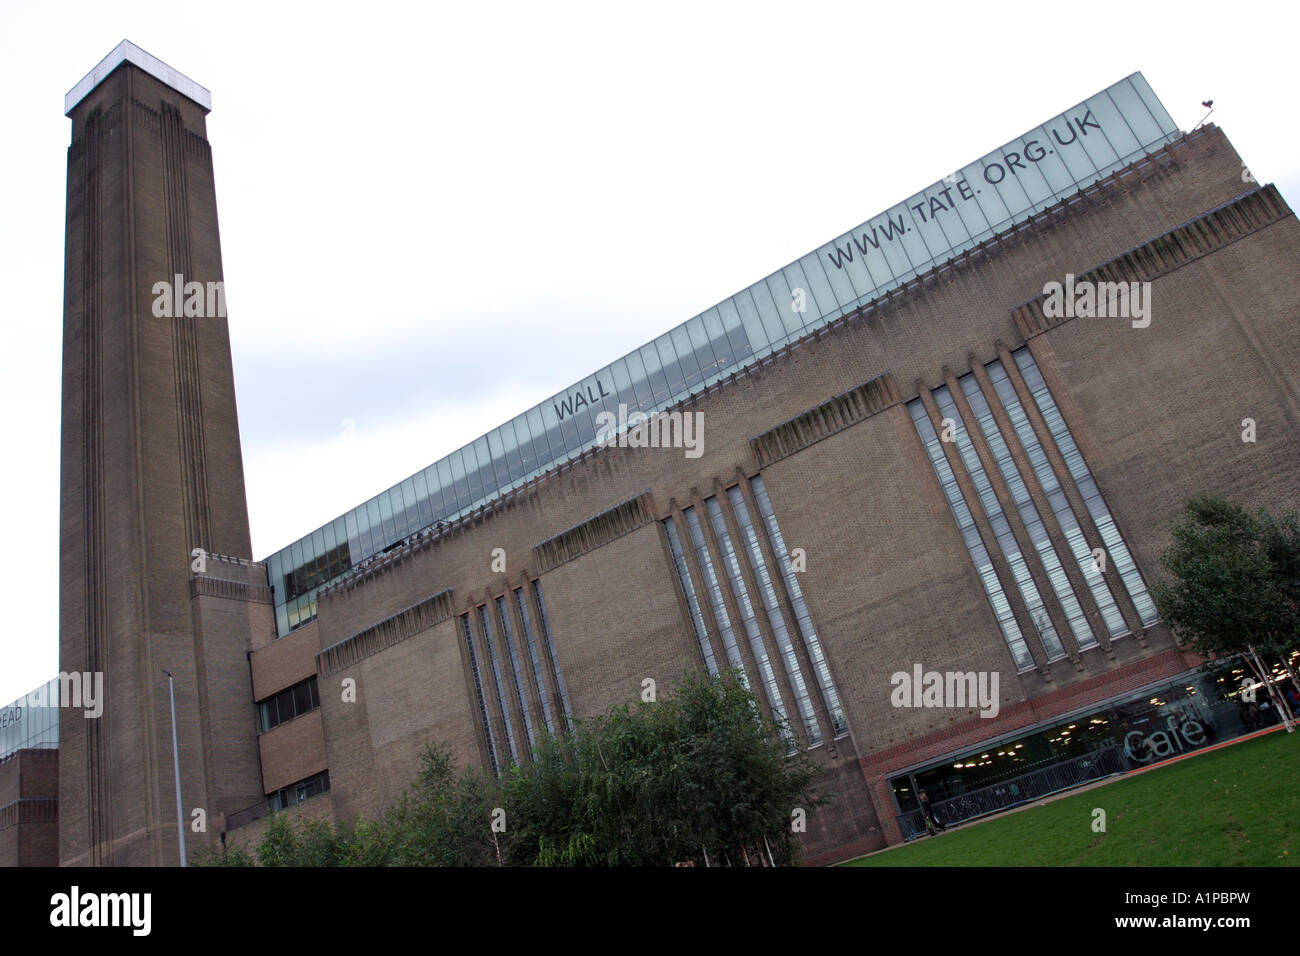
(1209, 105)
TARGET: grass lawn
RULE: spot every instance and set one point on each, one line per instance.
(1238, 806)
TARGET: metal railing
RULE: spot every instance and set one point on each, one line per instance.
(1011, 793)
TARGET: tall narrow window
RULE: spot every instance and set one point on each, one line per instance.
(767, 592)
(468, 632)
(1092, 499)
(692, 600)
(1034, 526)
(1055, 494)
(716, 600)
(530, 638)
(803, 618)
(748, 619)
(970, 534)
(516, 672)
(1001, 527)
(550, 650)
(494, 663)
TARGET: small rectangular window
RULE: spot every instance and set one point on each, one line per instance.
(299, 699)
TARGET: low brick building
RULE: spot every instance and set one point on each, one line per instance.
(29, 781)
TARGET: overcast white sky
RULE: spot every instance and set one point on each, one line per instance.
(435, 216)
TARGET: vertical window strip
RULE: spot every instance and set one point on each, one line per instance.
(803, 617)
(550, 652)
(478, 691)
(1092, 499)
(716, 600)
(773, 607)
(692, 599)
(1001, 529)
(1037, 531)
(970, 534)
(486, 624)
(508, 635)
(749, 620)
(530, 638)
(1065, 517)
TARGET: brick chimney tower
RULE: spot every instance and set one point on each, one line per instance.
(155, 569)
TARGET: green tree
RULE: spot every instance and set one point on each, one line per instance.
(226, 856)
(443, 820)
(1235, 587)
(290, 842)
(543, 801)
(697, 775)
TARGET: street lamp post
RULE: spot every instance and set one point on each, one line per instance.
(176, 763)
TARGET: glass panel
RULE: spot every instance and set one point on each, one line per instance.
(703, 365)
(424, 501)
(887, 236)
(301, 699)
(498, 439)
(686, 357)
(541, 449)
(836, 259)
(660, 392)
(387, 529)
(329, 539)
(768, 313)
(457, 463)
(740, 311)
(1093, 137)
(411, 520)
(517, 443)
(783, 298)
(818, 300)
(487, 476)
(673, 372)
(375, 523)
(447, 485)
(640, 383)
(741, 346)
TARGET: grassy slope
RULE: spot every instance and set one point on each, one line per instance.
(1232, 807)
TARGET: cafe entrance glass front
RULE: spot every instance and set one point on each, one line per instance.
(1163, 721)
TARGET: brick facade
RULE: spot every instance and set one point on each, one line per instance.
(404, 656)
(1155, 411)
